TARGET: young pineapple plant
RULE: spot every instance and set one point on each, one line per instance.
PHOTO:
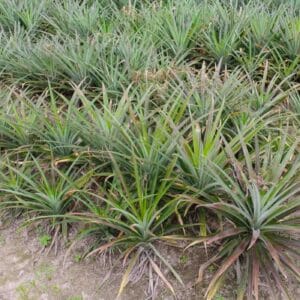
(259, 202)
(134, 212)
(43, 191)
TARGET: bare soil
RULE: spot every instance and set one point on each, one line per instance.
(29, 273)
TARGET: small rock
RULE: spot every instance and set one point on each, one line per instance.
(44, 297)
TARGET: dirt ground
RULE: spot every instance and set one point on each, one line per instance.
(27, 273)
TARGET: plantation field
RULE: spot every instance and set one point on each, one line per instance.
(149, 149)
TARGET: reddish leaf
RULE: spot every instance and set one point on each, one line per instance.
(275, 255)
(226, 264)
(205, 265)
(224, 234)
(290, 264)
(217, 237)
(255, 275)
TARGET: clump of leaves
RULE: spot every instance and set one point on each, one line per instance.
(260, 205)
(137, 212)
(46, 193)
(45, 240)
